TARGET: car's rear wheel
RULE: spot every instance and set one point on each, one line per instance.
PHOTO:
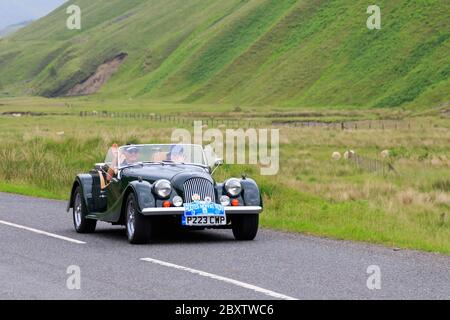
(80, 222)
(139, 227)
(245, 227)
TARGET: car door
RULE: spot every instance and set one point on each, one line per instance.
(112, 188)
(114, 193)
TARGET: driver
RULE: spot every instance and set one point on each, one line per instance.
(176, 154)
(130, 156)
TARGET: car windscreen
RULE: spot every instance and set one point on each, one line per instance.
(177, 153)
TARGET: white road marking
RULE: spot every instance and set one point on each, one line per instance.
(220, 278)
(48, 234)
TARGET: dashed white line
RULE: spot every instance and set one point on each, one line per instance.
(48, 234)
(241, 284)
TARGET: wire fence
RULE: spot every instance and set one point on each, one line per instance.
(349, 125)
(251, 123)
(372, 165)
(210, 121)
(235, 122)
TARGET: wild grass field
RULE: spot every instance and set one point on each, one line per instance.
(313, 194)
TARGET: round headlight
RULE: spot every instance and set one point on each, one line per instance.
(233, 187)
(163, 188)
(177, 201)
(225, 200)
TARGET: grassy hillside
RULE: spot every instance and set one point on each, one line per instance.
(290, 53)
(13, 28)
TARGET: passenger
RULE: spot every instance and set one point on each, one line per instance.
(112, 170)
(176, 154)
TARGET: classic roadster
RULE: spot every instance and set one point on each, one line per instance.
(142, 186)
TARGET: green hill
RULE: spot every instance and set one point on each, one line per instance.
(307, 53)
(13, 28)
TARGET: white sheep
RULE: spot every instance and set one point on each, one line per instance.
(349, 154)
(385, 154)
(336, 156)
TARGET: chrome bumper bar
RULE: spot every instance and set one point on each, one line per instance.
(180, 211)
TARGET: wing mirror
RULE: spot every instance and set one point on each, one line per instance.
(217, 163)
(99, 166)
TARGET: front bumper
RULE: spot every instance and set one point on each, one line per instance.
(180, 211)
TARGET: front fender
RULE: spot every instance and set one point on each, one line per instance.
(143, 193)
(85, 183)
(250, 196)
(251, 193)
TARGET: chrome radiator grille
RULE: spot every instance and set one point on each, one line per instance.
(203, 187)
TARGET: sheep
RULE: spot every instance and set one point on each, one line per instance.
(349, 154)
(336, 156)
(385, 154)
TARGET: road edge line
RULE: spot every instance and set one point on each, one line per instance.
(45, 233)
(220, 278)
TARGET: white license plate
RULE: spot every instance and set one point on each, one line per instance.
(206, 220)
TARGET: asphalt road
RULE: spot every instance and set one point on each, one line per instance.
(35, 256)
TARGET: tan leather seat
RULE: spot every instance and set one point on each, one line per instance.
(159, 156)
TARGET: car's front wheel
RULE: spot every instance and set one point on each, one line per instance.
(80, 222)
(245, 227)
(139, 227)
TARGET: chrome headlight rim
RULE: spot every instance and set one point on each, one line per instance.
(177, 201)
(162, 188)
(225, 200)
(233, 187)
